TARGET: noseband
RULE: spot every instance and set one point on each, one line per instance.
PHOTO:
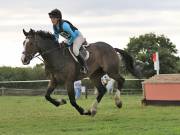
(29, 56)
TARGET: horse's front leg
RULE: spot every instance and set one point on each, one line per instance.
(51, 86)
(71, 94)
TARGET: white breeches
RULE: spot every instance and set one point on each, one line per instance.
(77, 44)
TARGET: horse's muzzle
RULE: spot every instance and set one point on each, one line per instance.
(25, 59)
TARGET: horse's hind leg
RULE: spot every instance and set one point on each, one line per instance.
(120, 80)
(101, 91)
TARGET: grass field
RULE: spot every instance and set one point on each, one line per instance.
(35, 116)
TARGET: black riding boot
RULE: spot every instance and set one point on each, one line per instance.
(84, 68)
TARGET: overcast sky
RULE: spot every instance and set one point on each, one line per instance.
(112, 21)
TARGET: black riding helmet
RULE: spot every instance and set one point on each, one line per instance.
(55, 13)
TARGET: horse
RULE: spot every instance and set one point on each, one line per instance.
(63, 69)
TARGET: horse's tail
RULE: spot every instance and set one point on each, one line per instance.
(129, 62)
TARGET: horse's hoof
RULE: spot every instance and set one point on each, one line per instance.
(57, 103)
(88, 112)
(63, 101)
(93, 112)
(119, 104)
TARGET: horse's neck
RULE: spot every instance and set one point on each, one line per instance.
(52, 55)
(46, 45)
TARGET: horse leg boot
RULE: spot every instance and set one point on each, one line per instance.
(82, 63)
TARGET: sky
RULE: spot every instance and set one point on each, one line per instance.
(111, 21)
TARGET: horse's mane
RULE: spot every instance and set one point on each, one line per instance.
(45, 34)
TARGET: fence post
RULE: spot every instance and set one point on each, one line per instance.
(86, 94)
(2, 91)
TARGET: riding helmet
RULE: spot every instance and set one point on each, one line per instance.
(55, 13)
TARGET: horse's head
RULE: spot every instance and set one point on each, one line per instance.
(30, 47)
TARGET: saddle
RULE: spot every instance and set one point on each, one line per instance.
(83, 51)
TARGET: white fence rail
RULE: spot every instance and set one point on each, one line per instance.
(33, 81)
(40, 91)
(37, 81)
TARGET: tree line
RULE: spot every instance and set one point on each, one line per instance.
(22, 74)
(141, 48)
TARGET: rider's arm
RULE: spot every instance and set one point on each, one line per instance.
(56, 34)
(68, 29)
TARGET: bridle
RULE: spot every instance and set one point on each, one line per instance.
(43, 53)
(39, 53)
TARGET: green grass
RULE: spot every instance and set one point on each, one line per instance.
(36, 116)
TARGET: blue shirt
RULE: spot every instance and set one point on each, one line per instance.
(66, 30)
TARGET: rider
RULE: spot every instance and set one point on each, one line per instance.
(72, 35)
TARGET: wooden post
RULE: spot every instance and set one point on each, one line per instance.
(86, 93)
(2, 91)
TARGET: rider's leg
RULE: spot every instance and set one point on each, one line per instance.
(82, 63)
(76, 46)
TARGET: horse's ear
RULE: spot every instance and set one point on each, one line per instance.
(25, 33)
(31, 31)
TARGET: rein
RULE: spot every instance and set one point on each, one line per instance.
(45, 52)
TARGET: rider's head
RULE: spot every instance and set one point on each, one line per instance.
(55, 16)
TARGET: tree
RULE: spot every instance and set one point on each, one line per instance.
(22, 74)
(144, 46)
